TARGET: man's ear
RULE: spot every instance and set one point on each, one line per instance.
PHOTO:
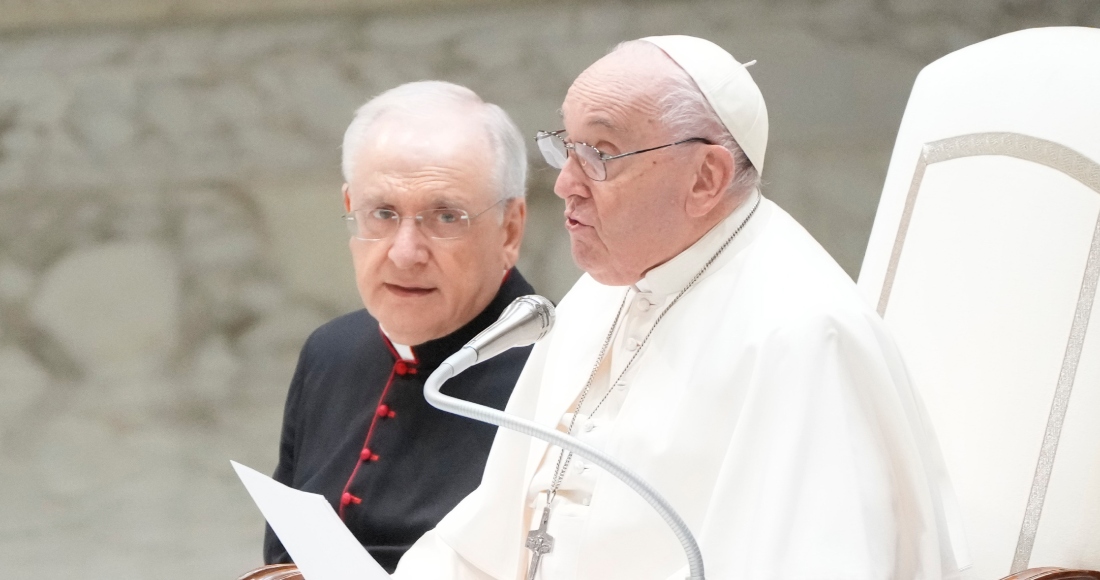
(712, 179)
(515, 219)
(347, 199)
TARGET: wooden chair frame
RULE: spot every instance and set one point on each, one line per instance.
(290, 572)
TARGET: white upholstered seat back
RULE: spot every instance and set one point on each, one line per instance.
(984, 260)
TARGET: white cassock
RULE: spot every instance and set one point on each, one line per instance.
(770, 407)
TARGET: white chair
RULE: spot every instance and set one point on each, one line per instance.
(984, 261)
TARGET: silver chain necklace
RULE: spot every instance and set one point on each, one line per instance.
(538, 541)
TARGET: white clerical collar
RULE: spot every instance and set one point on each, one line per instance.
(403, 350)
(674, 274)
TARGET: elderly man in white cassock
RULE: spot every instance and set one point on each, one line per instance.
(713, 347)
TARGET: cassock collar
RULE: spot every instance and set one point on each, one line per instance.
(404, 351)
(673, 275)
(428, 356)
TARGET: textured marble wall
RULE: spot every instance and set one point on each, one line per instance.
(169, 196)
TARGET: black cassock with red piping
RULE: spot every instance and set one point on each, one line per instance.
(357, 428)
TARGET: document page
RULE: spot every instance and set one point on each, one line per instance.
(320, 544)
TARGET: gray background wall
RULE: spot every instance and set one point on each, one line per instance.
(169, 195)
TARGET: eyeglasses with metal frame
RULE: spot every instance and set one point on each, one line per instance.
(555, 150)
(445, 223)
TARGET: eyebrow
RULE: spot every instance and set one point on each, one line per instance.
(373, 201)
(447, 202)
(602, 121)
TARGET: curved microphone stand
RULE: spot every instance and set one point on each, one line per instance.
(538, 321)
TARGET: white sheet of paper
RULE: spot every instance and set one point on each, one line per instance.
(320, 544)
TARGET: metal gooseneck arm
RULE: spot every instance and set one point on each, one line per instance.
(468, 356)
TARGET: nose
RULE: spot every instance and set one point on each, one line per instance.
(571, 180)
(409, 247)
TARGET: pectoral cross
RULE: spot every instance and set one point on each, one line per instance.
(540, 543)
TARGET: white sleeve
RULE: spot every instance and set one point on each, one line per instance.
(681, 574)
(430, 558)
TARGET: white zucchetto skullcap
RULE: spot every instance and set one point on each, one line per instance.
(727, 85)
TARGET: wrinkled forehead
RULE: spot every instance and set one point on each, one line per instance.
(620, 92)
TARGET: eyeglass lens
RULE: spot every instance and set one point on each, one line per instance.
(555, 151)
(378, 224)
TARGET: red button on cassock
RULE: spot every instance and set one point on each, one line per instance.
(365, 455)
(383, 410)
(345, 499)
(401, 368)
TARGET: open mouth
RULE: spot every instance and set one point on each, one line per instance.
(571, 222)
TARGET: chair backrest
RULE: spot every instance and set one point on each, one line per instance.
(984, 261)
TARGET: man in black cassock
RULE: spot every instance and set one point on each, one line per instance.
(434, 185)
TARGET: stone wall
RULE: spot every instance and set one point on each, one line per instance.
(169, 195)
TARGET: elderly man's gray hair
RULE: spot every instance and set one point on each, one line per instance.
(686, 113)
(508, 149)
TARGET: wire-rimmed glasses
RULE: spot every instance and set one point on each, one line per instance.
(555, 150)
(445, 223)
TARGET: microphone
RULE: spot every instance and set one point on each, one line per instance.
(527, 320)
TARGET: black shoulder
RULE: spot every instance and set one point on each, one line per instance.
(515, 285)
(349, 330)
